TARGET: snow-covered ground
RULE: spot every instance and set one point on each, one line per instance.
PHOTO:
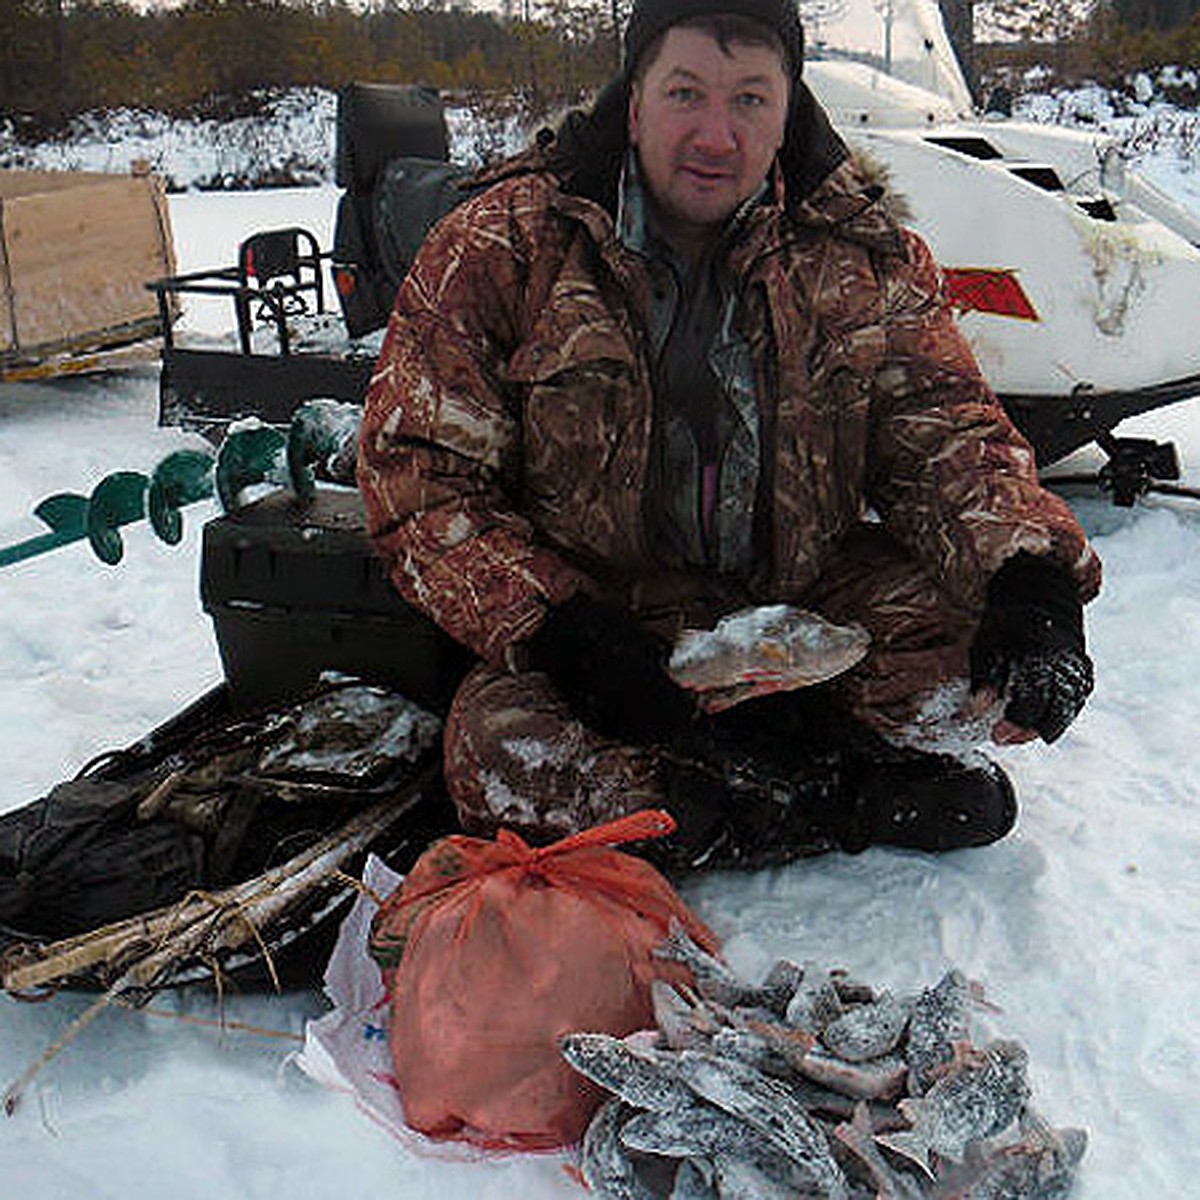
(292, 137)
(1084, 925)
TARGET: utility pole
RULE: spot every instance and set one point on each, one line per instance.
(888, 18)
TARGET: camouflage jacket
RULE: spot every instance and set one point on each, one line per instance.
(506, 434)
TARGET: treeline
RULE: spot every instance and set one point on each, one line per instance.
(1120, 46)
(1108, 50)
(58, 58)
(1155, 14)
(212, 57)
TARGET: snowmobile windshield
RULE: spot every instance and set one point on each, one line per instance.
(903, 38)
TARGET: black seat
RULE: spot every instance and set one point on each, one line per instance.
(377, 122)
(379, 125)
(279, 276)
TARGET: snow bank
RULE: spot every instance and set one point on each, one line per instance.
(289, 143)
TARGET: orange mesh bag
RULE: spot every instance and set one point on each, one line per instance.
(493, 950)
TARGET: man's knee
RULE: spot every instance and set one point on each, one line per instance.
(918, 658)
(516, 757)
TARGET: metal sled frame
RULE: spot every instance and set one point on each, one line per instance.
(278, 277)
(1058, 425)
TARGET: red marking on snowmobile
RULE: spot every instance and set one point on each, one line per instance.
(988, 290)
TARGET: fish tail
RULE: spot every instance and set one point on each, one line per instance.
(909, 1145)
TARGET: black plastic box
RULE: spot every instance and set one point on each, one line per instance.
(295, 589)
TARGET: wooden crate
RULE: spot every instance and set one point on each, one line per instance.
(76, 251)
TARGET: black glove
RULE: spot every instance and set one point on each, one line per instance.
(610, 671)
(1030, 645)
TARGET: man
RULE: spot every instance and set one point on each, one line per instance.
(680, 362)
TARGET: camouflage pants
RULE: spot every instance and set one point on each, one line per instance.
(515, 756)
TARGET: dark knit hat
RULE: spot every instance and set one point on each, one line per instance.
(591, 145)
(652, 17)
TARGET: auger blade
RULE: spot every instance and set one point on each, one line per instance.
(247, 457)
(118, 499)
(181, 478)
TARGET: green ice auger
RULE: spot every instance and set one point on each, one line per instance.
(247, 457)
(118, 499)
(320, 431)
(255, 454)
(181, 478)
(66, 516)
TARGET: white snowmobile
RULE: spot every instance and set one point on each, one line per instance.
(1076, 280)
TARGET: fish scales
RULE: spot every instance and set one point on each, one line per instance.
(752, 1091)
(777, 989)
(940, 1020)
(1042, 1165)
(746, 1046)
(1016, 1176)
(604, 1162)
(977, 1099)
(695, 1180)
(699, 1131)
(714, 980)
(762, 1041)
(852, 991)
(858, 1136)
(877, 1079)
(745, 1016)
(788, 645)
(640, 1079)
(684, 1025)
(769, 1108)
(816, 1002)
(868, 1030)
(828, 1105)
(741, 1180)
(704, 1133)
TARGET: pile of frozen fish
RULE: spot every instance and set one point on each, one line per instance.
(809, 1085)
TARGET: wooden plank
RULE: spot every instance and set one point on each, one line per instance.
(79, 257)
(33, 183)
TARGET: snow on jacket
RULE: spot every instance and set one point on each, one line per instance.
(506, 433)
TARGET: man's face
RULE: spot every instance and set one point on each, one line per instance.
(707, 123)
